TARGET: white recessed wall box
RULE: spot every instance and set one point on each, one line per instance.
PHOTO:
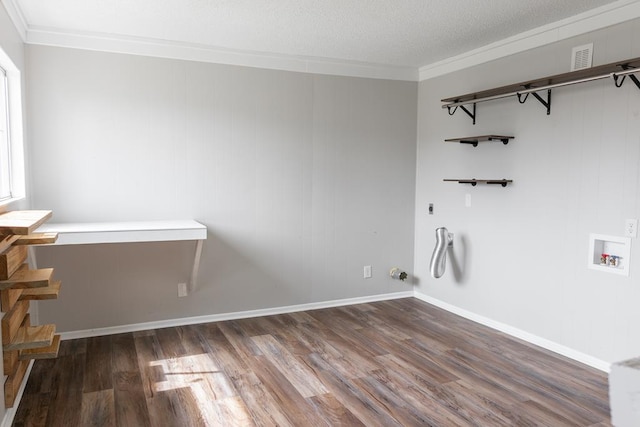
(610, 254)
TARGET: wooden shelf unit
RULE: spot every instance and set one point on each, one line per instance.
(22, 342)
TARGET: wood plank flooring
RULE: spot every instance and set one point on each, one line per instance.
(391, 363)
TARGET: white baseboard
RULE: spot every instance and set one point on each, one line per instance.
(518, 333)
(230, 316)
(502, 327)
(10, 413)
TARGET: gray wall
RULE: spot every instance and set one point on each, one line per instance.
(301, 180)
(522, 250)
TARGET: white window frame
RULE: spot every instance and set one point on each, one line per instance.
(14, 129)
(5, 146)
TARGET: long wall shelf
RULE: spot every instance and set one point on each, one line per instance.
(618, 71)
(125, 232)
(130, 232)
(474, 140)
(475, 182)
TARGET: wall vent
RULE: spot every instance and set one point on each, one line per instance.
(581, 57)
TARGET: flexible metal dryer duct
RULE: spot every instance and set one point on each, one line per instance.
(444, 240)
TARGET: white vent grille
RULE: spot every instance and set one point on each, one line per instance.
(581, 57)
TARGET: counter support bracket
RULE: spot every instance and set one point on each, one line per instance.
(196, 265)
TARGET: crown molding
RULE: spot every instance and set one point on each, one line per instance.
(595, 19)
(204, 53)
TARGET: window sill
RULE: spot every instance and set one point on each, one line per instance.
(7, 202)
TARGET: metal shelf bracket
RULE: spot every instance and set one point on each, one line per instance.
(473, 142)
(505, 141)
(547, 104)
(452, 111)
(633, 78)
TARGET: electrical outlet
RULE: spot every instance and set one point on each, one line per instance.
(367, 272)
(631, 228)
(182, 290)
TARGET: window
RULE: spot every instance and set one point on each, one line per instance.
(12, 173)
(5, 149)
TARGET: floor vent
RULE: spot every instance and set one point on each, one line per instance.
(581, 57)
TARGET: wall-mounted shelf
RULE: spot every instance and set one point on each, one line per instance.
(475, 182)
(87, 233)
(130, 232)
(474, 140)
(618, 71)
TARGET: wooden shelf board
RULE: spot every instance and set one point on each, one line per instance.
(8, 297)
(7, 241)
(545, 81)
(11, 260)
(22, 222)
(36, 239)
(13, 320)
(482, 138)
(48, 292)
(10, 361)
(49, 352)
(502, 182)
(125, 232)
(13, 382)
(32, 337)
(24, 278)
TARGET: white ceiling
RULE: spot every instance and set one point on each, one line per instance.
(403, 33)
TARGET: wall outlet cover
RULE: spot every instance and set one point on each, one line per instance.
(182, 290)
(631, 228)
(367, 272)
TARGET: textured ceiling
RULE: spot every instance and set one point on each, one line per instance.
(401, 33)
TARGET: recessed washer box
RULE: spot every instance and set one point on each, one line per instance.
(618, 246)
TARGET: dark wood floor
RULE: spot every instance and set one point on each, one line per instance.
(392, 363)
